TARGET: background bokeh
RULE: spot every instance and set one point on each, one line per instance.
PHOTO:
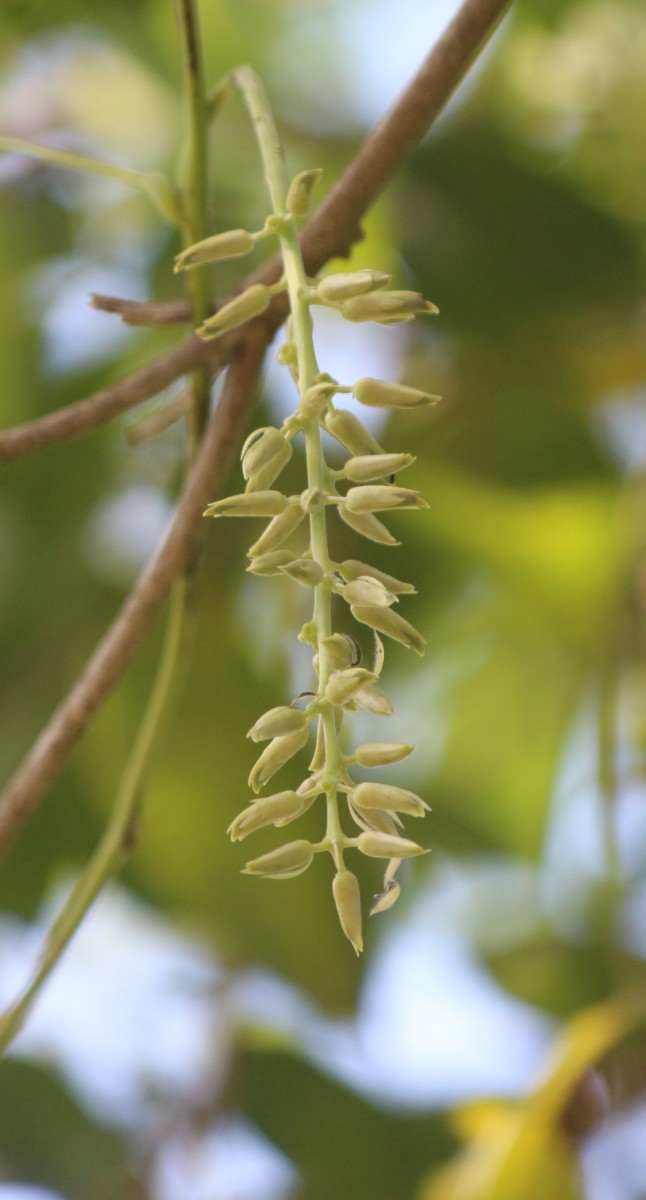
(212, 1037)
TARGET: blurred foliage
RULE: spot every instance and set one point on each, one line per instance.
(522, 216)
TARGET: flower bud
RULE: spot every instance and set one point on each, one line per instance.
(368, 526)
(341, 651)
(382, 845)
(273, 810)
(366, 591)
(248, 504)
(274, 756)
(313, 500)
(384, 620)
(283, 863)
(265, 476)
(345, 889)
(301, 189)
(375, 466)
(375, 820)
(233, 244)
(375, 497)
(377, 306)
(374, 700)
(348, 430)
(343, 685)
(387, 898)
(269, 564)
(277, 530)
(377, 393)
(381, 754)
(315, 401)
(304, 571)
(353, 569)
(261, 447)
(277, 722)
(387, 798)
(250, 303)
(334, 289)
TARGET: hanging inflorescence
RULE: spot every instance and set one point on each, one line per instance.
(362, 488)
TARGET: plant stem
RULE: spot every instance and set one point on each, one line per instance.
(277, 180)
(118, 839)
(155, 185)
(194, 193)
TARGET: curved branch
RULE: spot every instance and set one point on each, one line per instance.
(139, 611)
(85, 415)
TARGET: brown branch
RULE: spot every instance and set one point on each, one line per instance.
(144, 312)
(330, 233)
(85, 415)
(136, 616)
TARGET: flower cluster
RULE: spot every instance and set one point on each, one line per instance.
(361, 489)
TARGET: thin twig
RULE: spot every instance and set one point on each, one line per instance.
(331, 231)
(118, 645)
(144, 312)
(163, 418)
(86, 415)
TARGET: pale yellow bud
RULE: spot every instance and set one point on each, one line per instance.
(250, 303)
(274, 756)
(277, 722)
(386, 899)
(375, 497)
(368, 526)
(233, 244)
(382, 845)
(277, 531)
(248, 504)
(345, 889)
(381, 754)
(377, 393)
(384, 620)
(261, 447)
(304, 571)
(340, 650)
(375, 466)
(315, 401)
(343, 685)
(348, 430)
(265, 476)
(273, 810)
(378, 306)
(313, 500)
(301, 189)
(283, 863)
(375, 820)
(374, 700)
(270, 564)
(353, 569)
(389, 799)
(366, 591)
(334, 289)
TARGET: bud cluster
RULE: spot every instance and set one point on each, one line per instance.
(362, 488)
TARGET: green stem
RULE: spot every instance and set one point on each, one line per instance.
(277, 180)
(118, 839)
(154, 184)
(195, 195)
